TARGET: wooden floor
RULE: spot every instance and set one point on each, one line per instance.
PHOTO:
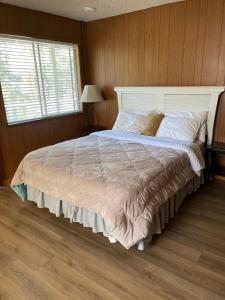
(43, 257)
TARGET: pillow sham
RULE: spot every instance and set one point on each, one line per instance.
(185, 129)
(130, 122)
(153, 123)
(202, 115)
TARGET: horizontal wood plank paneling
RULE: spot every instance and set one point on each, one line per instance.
(17, 140)
(177, 44)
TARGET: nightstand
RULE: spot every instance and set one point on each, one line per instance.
(90, 129)
(212, 151)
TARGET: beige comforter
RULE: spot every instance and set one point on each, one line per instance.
(124, 181)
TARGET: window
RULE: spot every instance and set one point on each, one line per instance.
(38, 78)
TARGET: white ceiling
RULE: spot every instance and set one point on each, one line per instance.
(74, 8)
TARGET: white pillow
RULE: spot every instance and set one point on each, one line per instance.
(202, 115)
(130, 122)
(184, 129)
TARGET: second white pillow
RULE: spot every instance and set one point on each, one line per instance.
(184, 129)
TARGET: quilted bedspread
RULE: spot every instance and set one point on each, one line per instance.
(124, 181)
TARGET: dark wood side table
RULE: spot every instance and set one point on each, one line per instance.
(212, 168)
(90, 129)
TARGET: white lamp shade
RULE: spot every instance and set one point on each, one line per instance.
(91, 94)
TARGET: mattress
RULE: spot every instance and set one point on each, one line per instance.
(124, 178)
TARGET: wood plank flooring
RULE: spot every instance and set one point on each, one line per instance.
(44, 257)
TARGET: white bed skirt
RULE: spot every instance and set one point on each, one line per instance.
(97, 223)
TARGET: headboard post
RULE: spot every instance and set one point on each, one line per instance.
(172, 99)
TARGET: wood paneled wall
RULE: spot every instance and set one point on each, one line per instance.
(18, 140)
(177, 44)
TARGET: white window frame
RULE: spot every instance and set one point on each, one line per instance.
(78, 74)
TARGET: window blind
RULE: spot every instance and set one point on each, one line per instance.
(38, 78)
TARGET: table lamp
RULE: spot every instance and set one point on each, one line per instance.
(91, 94)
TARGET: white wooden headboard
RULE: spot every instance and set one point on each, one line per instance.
(172, 99)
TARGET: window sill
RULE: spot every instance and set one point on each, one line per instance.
(46, 119)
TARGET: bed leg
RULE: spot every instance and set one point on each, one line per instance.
(141, 245)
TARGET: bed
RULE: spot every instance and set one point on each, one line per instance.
(125, 185)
